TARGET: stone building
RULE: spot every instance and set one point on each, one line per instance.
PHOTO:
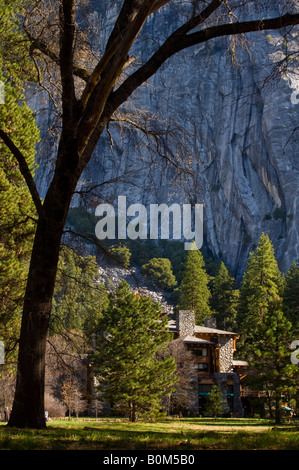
(213, 352)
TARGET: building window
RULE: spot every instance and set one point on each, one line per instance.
(201, 352)
(203, 367)
(204, 389)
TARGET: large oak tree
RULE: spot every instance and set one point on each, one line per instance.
(85, 115)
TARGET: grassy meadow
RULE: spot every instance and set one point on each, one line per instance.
(171, 434)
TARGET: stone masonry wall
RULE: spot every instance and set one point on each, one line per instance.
(186, 322)
(193, 391)
(226, 352)
(221, 380)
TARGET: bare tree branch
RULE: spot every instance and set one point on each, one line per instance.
(111, 72)
(179, 41)
(40, 45)
(176, 42)
(156, 136)
(24, 170)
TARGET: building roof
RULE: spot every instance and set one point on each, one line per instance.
(198, 330)
(240, 363)
(205, 329)
(195, 340)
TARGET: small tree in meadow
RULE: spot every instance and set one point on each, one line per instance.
(215, 404)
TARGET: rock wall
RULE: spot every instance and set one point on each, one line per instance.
(221, 380)
(238, 134)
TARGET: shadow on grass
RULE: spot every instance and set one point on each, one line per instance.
(90, 439)
(107, 437)
(240, 422)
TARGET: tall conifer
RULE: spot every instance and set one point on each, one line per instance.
(291, 294)
(273, 370)
(129, 373)
(194, 289)
(224, 299)
(261, 289)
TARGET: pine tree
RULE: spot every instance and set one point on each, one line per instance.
(194, 289)
(159, 271)
(261, 288)
(215, 403)
(291, 294)
(224, 300)
(17, 223)
(129, 373)
(273, 370)
(120, 255)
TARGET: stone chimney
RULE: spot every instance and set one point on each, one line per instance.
(186, 322)
(210, 323)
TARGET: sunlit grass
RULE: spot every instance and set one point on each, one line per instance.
(173, 434)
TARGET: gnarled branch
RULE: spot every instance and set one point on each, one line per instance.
(24, 170)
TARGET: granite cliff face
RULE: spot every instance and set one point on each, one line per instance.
(239, 129)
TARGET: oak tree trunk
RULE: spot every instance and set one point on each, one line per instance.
(28, 406)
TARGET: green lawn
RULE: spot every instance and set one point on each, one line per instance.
(175, 434)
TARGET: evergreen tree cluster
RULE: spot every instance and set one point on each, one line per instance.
(17, 224)
(199, 283)
(263, 309)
